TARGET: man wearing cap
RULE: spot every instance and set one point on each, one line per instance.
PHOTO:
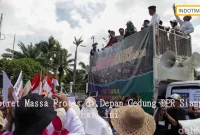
(186, 25)
(145, 24)
(94, 49)
(172, 115)
(155, 17)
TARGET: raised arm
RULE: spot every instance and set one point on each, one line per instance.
(73, 123)
(177, 17)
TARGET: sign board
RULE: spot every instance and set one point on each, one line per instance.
(124, 68)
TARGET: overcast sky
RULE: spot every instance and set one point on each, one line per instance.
(35, 20)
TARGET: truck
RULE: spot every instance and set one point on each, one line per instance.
(151, 63)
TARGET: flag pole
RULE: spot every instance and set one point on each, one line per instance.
(13, 46)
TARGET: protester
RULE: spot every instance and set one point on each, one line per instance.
(32, 120)
(92, 122)
(145, 24)
(130, 29)
(56, 126)
(121, 36)
(155, 17)
(132, 121)
(174, 25)
(72, 121)
(172, 37)
(172, 115)
(186, 25)
(94, 49)
(160, 128)
(112, 39)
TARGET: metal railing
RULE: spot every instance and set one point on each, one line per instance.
(173, 40)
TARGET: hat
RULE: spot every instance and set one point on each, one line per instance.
(2, 123)
(175, 97)
(172, 21)
(132, 121)
(152, 7)
(33, 114)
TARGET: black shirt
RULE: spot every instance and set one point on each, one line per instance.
(176, 114)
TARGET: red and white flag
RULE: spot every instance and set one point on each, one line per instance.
(18, 88)
(54, 80)
(35, 78)
(6, 85)
(37, 88)
(47, 84)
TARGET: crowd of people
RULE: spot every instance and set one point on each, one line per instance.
(36, 114)
(178, 26)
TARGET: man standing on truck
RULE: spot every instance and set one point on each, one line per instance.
(186, 25)
(155, 17)
(172, 115)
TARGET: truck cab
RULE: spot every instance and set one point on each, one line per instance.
(189, 90)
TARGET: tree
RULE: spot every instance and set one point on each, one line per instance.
(49, 49)
(28, 67)
(79, 78)
(29, 51)
(77, 42)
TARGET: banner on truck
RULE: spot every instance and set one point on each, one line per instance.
(124, 68)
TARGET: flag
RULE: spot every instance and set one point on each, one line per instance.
(54, 80)
(18, 88)
(27, 88)
(35, 78)
(47, 84)
(37, 88)
(6, 85)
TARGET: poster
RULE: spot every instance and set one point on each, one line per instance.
(124, 68)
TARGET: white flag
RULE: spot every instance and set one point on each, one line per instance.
(27, 88)
(6, 85)
(18, 88)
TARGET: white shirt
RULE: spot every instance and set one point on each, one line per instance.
(73, 123)
(154, 20)
(93, 123)
(186, 26)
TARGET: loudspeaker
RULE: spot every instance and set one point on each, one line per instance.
(168, 60)
(193, 62)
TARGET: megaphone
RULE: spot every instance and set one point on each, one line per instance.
(168, 60)
(193, 62)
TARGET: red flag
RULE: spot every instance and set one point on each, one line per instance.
(35, 78)
(37, 88)
(54, 80)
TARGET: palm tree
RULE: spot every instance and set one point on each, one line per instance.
(77, 42)
(49, 49)
(64, 63)
(29, 51)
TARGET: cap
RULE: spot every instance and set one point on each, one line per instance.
(173, 21)
(175, 97)
(94, 44)
(152, 7)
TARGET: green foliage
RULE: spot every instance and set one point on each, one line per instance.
(13, 67)
(48, 55)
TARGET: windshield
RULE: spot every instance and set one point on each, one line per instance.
(188, 93)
